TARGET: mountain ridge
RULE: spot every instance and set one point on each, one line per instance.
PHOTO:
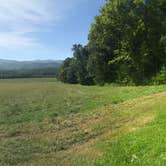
(6, 64)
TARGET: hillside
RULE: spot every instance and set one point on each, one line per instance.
(29, 69)
(44, 122)
(28, 65)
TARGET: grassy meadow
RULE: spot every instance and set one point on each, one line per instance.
(45, 123)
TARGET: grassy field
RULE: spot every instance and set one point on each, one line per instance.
(46, 123)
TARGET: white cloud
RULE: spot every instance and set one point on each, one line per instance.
(10, 40)
(19, 18)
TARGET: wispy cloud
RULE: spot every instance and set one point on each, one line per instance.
(11, 40)
(19, 18)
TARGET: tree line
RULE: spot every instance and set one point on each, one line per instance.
(126, 45)
(29, 73)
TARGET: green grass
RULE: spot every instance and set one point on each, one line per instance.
(145, 146)
(44, 122)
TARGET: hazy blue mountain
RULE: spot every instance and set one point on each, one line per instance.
(37, 64)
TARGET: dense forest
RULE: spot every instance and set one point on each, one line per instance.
(29, 69)
(126, 45)
(29, 73)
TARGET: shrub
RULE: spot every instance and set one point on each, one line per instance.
(160, 78)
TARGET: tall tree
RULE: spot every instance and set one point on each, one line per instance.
(127, 44)
(125, 41)
(67, 72)
(81, 56)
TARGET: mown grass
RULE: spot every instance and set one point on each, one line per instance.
(143, 146)
(44, 122)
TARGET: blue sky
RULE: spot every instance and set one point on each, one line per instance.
(44, 29)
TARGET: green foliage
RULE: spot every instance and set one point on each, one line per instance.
(161, 77)
(67, 72)
(127, 43)
(75, 70)
(81, 56)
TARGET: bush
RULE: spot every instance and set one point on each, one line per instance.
(160, 78)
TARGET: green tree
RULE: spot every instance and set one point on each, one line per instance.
(127, 44)
(67, 72)
(126, 41)
(81, 56)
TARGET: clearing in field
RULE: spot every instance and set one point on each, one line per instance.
(44, 122)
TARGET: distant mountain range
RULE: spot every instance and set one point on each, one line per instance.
(29, 65)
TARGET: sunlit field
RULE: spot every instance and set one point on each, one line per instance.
(45, 122)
